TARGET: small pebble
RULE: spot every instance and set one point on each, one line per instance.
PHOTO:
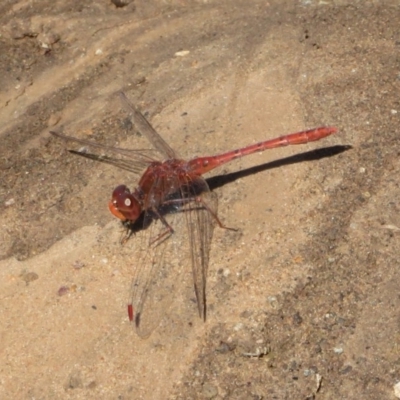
(238, 327)
(273, 302)
(318, 379)
(338, 350)
(9, 202)
(63, 290)
(367, 195)
(226, 272)
(182, 53)
(396, 389)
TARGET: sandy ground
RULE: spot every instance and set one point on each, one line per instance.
(303, 300)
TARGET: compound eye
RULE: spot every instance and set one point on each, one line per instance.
(122, 198)
(120, 191)
(124, 205)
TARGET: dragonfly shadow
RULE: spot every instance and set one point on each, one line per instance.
(222, 180)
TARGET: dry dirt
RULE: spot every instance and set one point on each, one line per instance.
(303, 302)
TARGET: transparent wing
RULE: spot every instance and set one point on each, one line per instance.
(158, 273)
(144, 127)
(131, 160)
(162, 271)
(200, 224)
(131, 165)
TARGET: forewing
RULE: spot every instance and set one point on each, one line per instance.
(131, 165)
(144, 127)
(131, 160)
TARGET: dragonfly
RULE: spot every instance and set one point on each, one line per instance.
(175, 210)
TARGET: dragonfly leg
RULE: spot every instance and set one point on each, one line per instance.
(166, 233)
(126, 234)
(213, 214)
(198, 199)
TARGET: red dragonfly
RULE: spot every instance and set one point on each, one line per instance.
(176, 211)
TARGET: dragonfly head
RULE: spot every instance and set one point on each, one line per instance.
(124, 204)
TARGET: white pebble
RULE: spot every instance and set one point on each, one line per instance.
(338, 350)
(182, 53)
(396, 389)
